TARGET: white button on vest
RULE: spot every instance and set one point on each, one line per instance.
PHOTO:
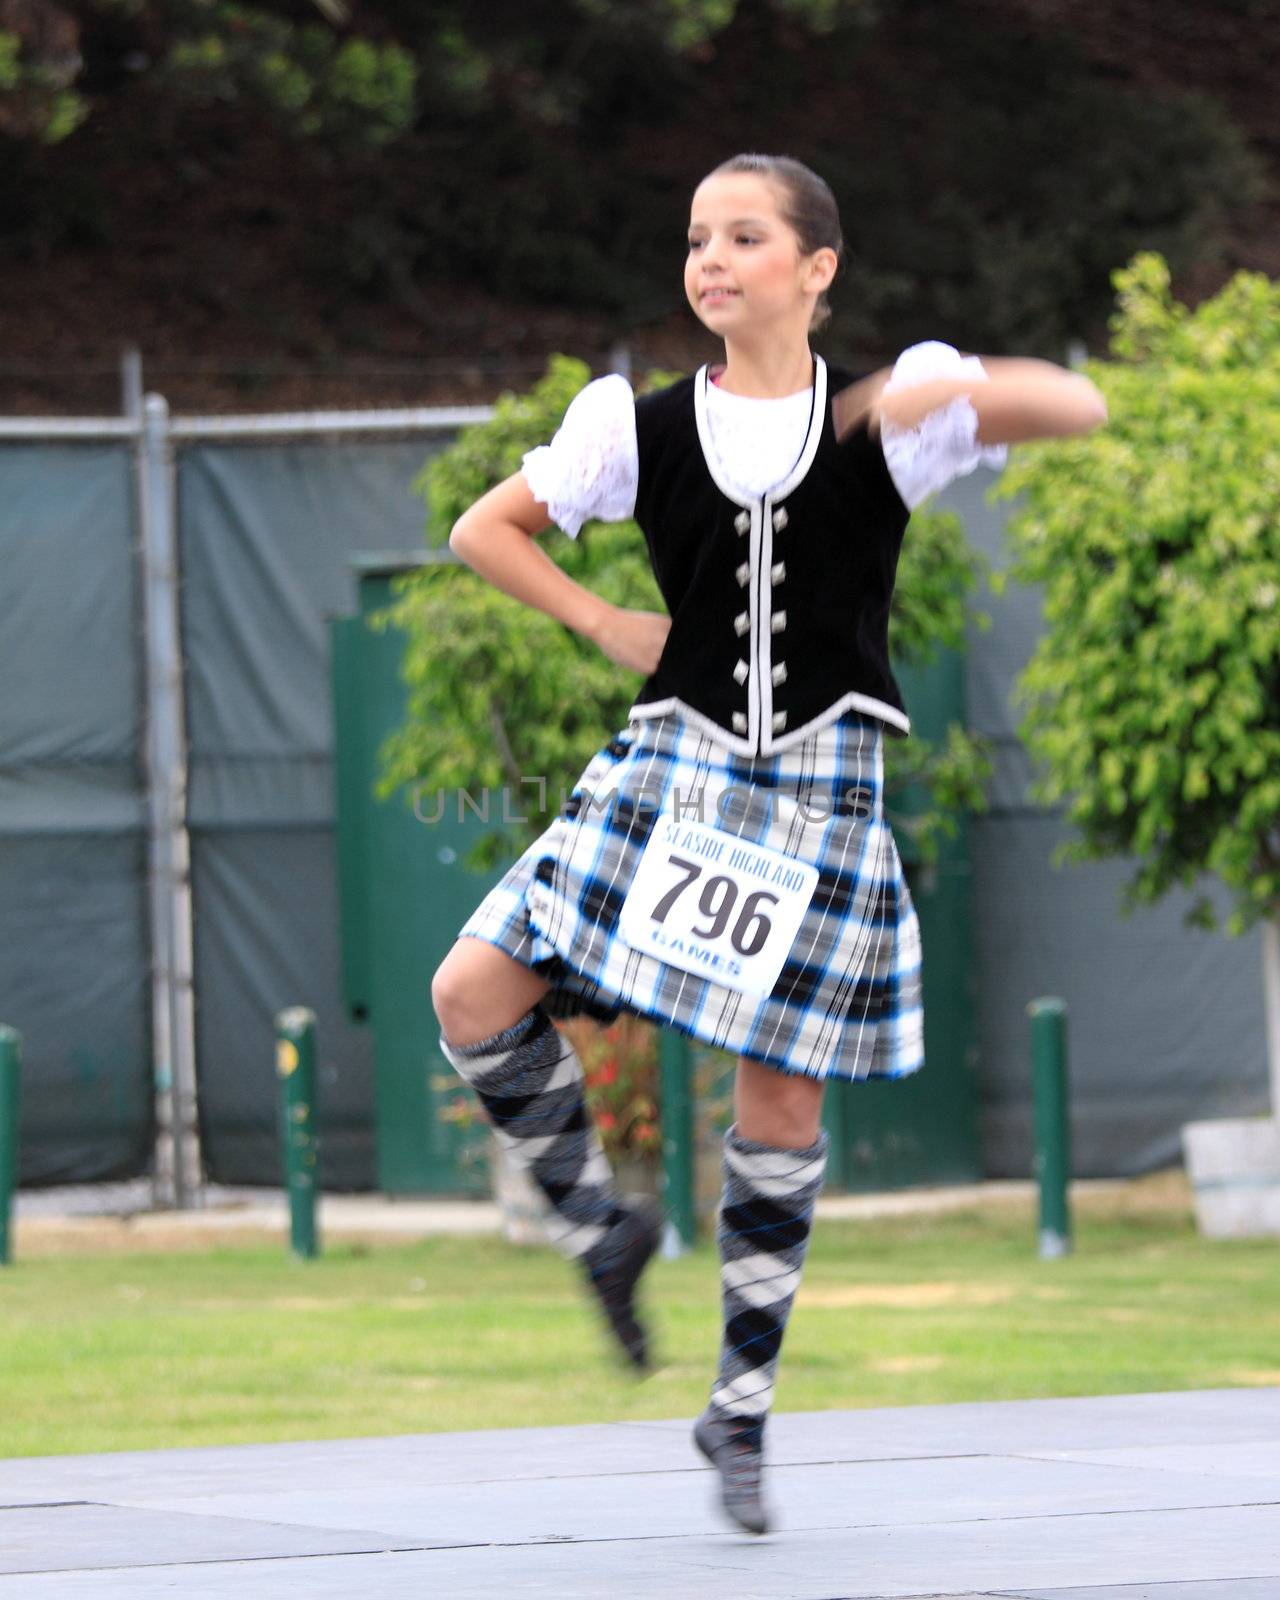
(780, 519)
(777, 572)
(779, 673)
(778, 622)
(742, 521)
(741, 623)
(740, 671)
(779, 721)
(742, 574)
(739, 722)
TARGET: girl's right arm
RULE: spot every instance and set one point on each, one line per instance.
(496, 537)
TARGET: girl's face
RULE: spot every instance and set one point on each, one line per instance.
(745, 271)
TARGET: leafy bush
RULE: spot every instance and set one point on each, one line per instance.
(1153, 695)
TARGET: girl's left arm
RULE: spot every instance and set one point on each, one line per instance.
(1020, 398)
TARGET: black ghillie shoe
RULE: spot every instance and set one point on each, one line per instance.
(630, 1244)
(735, 1453)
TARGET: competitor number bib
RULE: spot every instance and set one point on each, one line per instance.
(708, 902)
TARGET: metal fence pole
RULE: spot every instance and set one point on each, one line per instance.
(131, 393)
(1053, 1134)
(676, 1069)
(10, 1095)
(177, 1176)
(177, 1158)
(296, 1066)
(1271, 1003)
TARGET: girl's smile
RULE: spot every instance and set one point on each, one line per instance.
(746, 274)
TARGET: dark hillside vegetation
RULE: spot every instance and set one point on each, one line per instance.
(419, 203)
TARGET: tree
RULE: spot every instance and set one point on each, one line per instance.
(315, 67)
(40, 61)
(1153, 695)
(500, 693)
(544, 150)
(312, 73)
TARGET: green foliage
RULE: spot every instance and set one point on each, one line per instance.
(500, 694)
(690, 25)
(1154, 694)
(1030, 173)
(1039, 175)
(361, 89)
(498, 691)
(545, 152)
(36, 100)
(349, 91)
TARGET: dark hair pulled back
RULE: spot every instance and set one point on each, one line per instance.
(807, 205)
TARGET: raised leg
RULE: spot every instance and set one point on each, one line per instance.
(529, 1079)
(479, 990)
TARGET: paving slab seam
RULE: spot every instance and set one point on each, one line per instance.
(942, 1594)
(666, 1472)
(798, 1527)
(539, 1541)
(46, 1505)
(1058, 1516)
(1025, 1516)
(543, 1541)
(243, 1561)
(1141, 1586)
(942, 1522)
(1138, 1583)
(1089, 1460)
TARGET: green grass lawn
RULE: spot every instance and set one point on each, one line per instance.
(233, 1345)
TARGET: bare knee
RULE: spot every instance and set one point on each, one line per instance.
(477, 990)
(449, 996)
(777, 1108)
(458, 998)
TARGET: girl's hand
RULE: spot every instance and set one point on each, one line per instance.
(633, 639)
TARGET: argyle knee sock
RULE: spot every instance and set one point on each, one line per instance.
(765, 1217)
(530, 1082)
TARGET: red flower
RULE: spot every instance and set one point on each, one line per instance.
(606, 1121)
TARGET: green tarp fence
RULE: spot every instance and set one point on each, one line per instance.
(1166, 1022)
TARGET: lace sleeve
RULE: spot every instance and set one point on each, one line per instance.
(942, 446)
(591, 467)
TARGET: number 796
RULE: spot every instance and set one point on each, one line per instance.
(717, 899)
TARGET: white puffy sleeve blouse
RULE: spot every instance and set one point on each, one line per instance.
(590, 469)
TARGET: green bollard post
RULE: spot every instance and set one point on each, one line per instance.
(296, 1066)
(10, 1082)
(1053, 1131)
(676, 1070)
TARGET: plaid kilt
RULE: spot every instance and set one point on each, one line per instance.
(847, 1002)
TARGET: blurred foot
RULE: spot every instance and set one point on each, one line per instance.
(734, 1450)
(621, 1257)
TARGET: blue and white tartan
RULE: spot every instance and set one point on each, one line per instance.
(847, 1003)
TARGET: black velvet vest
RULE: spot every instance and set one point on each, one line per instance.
(780, 604)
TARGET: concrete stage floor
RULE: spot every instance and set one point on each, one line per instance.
(1130, 1497)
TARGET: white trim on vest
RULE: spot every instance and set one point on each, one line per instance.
(763, 624)
(853, 701)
